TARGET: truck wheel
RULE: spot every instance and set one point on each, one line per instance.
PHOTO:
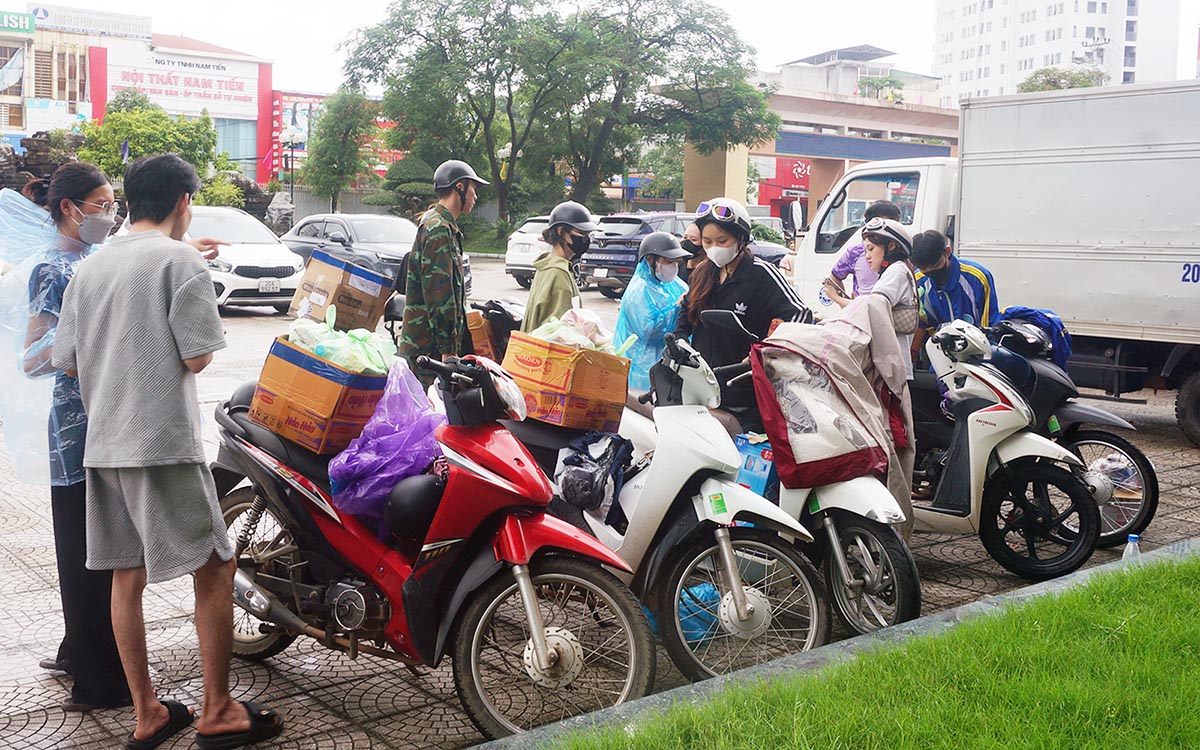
(1187, 407)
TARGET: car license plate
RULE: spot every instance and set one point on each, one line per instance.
(600, 273)
(268, 286)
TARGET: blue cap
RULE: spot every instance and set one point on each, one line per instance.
(1134, 538)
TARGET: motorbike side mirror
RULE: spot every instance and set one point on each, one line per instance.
(726, 320)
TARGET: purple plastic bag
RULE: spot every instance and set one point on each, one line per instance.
(397, 442)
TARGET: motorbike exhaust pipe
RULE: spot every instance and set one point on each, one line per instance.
(251, 597)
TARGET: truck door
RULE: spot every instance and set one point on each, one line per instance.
(837, 221)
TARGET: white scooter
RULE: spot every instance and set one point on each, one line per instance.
(728, 592)
(990, 473)
(870, 571)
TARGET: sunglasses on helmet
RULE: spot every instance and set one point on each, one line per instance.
(717, 211)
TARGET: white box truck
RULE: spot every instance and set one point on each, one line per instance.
(1085, 202)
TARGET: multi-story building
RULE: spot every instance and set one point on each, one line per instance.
(838, 109)
(988, 47)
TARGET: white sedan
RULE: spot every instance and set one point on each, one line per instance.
(255, 269)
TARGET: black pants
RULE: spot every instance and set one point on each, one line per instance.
(89, 645)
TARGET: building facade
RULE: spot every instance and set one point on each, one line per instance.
(988, 47)
(839, 108)
(60, 65)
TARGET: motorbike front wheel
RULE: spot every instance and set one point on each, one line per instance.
(698, 620)
(886, 587)
(1038, 520)
(253, 639)
(1124, 481)
(602, 644)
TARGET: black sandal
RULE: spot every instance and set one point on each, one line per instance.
(264, 724)
(178, 719)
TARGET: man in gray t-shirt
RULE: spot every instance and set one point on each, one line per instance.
(139, 320)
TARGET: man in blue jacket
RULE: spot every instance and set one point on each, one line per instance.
(950, 288)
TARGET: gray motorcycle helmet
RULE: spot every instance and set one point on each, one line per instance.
(572, 214)
(662, 244)
(451, 172)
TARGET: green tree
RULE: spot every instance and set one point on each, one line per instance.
(148, 131)
(408, 187)
(664, 164)
(336, 145)
(480, 73)
(1052, 79)
(219, 191)
(129, 100)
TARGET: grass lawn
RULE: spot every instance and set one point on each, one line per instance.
(1114, 663)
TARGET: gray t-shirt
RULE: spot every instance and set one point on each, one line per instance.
(132, 314)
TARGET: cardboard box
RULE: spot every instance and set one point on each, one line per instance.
(566, 386)
(757, 471)
(311, 401)
(359, 294)
(481, 334)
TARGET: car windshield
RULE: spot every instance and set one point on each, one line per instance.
(383, 229)
(231, 226)
(621, 226)
(533, 226)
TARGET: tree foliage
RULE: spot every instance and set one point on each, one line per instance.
(336, 145)
(408, 187)
(129, 100)
(575, 89)
(881, 87)
(664, 165)
(148, 131)
(220, 191)
(1052, 79)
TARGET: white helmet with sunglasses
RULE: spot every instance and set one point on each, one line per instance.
(727, 213)
(887, 230)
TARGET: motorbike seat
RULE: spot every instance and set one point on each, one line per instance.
(313, 466)
(543, 441)
(1051, 386)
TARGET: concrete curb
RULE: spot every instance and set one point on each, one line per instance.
(637, 711)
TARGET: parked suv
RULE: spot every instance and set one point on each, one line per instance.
(613, 256)
(610, 261)
(374, 241)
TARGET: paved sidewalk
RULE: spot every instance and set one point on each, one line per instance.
(330, 701)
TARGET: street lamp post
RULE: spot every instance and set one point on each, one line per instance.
(289, 136)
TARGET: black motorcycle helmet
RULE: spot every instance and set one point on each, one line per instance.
(450, 173)
(662, 244)
(572, 214)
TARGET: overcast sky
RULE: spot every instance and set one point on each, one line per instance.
(301, 38)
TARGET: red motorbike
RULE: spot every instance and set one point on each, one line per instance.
(466, 562)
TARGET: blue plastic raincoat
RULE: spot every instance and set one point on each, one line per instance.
(649, 310)
(42, 412)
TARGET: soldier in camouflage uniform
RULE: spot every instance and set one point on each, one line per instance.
(435, 317)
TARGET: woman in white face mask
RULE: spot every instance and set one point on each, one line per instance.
(650, 304)
(83, 209)
(731, 278)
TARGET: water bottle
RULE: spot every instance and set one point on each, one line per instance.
(1133, 553)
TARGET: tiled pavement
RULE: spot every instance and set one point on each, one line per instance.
(332, 702)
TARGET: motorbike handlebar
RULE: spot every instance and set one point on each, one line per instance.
(645, 397)
(441, 368)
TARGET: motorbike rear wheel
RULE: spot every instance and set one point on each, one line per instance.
(1030, 504)
(1129, 490)
(604, 646)
(253, 639)
(697, 620)
(889, 591)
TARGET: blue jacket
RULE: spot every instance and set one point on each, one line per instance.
(969, 294)
(649, 310)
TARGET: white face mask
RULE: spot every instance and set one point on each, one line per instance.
(666, 274)
(721, 256)
(94, 228)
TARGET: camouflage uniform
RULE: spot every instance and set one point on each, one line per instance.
(435, 318)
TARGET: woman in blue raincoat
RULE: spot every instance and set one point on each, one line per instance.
(80, 211)
(650, 305)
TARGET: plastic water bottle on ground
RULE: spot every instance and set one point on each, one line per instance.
(1133, 553)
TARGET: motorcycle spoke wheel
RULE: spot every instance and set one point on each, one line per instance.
(1124, 481)
(604, 646)
(888, 587)
(1038, 520)
(698, 619)
(270, 551)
